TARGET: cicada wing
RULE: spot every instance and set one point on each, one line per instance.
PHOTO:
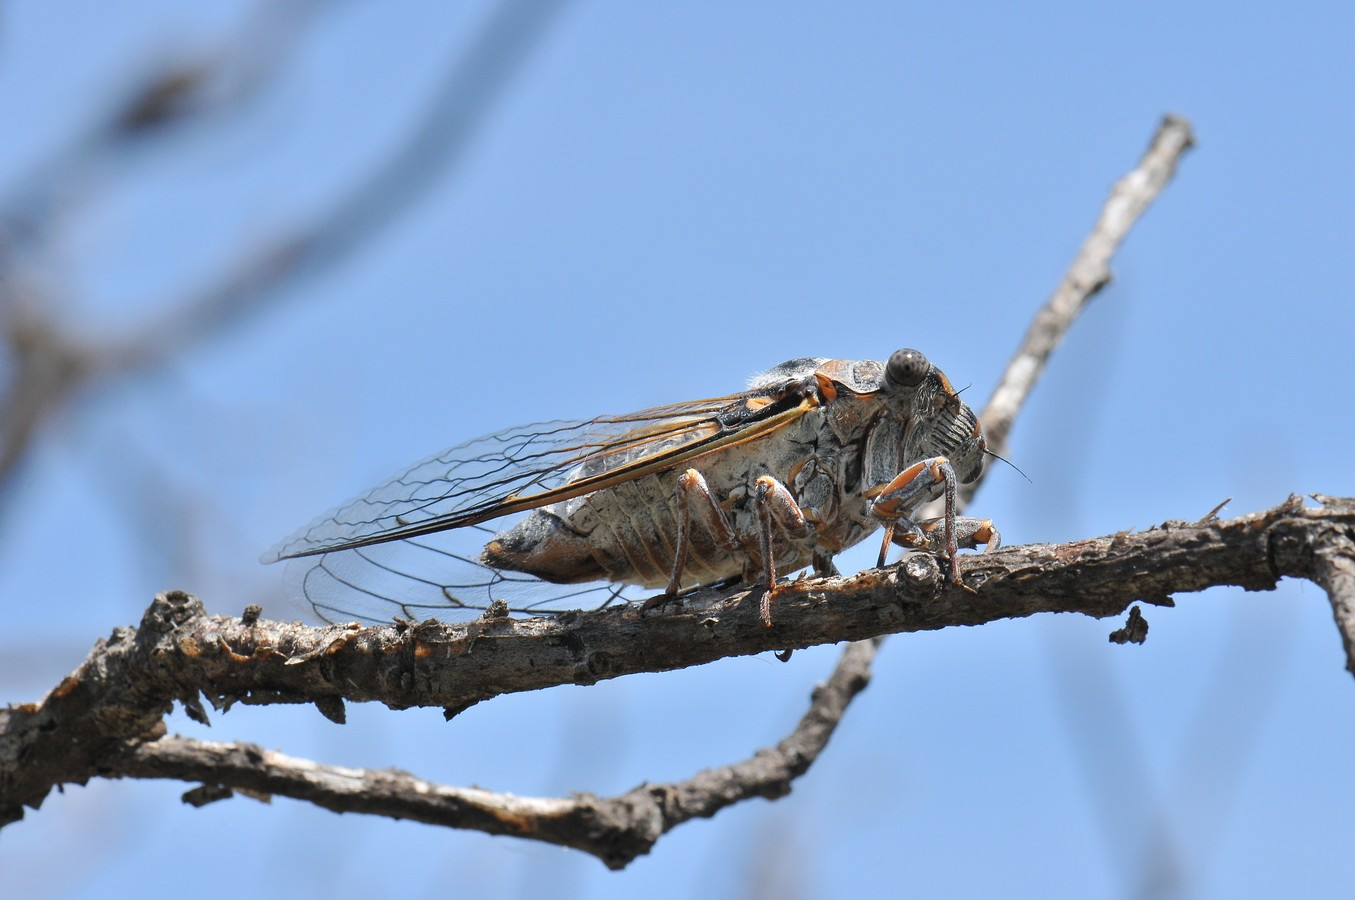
(438, 575)
(411, 546)
(532, 466)
(498, 474)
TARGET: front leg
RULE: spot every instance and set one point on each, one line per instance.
(895, 503)
(969, 533)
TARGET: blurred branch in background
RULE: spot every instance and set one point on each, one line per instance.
(149, 111)
(49, 361)
(49, 365)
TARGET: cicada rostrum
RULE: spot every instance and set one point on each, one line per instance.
(812, 458)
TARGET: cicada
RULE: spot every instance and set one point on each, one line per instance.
(814, 456)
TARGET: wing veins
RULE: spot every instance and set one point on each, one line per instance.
(712, 425)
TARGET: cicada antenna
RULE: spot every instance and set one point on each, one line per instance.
(1008, 462)
(994, 455)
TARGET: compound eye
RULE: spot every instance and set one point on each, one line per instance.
(907, 368)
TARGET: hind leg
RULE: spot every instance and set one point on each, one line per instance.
(696, 508)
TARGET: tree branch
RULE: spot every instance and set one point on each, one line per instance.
(614, 829)
(1330, 562)
(105, 719)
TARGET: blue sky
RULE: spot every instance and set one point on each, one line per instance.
(663, 201)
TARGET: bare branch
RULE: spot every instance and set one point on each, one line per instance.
(614, 829)
(1332, 563)
(119, 696)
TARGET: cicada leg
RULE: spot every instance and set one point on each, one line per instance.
(696, 507)
(775, 504)
(969, 534)
(824, 566)
(895, 503)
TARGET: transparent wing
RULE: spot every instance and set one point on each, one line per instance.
(411, 546)
(438, 575)
(502, 473)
